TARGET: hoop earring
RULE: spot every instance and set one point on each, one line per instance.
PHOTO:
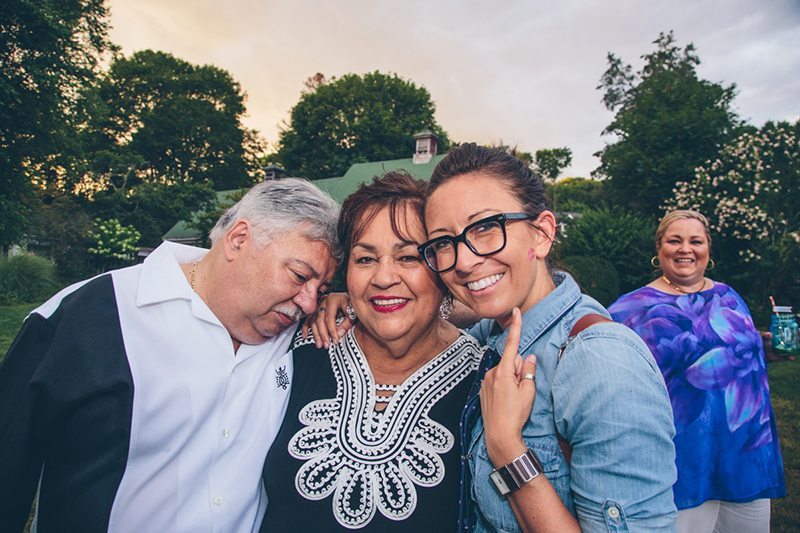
(711, 263)
(351, 311)
(655, 262)
(446, 307)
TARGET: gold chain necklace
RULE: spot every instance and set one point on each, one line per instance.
(192, 280)
(680, 289)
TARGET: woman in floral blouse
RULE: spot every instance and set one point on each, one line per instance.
(711, 355)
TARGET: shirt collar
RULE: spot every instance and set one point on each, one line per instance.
(540, 317)
(161, 278)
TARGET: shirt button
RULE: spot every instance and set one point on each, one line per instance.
(226, 433)
(613, 512)
(217, 501)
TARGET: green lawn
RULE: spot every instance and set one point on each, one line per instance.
(784, 378)
(11, 318)
(784, 382)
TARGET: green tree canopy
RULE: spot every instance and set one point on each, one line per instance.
(668, 121)
(157, 118)
(549, 162)
(352, 119)
(49, 51)
(151, 207)
(577, 194)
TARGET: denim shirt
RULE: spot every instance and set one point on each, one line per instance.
(606, 397)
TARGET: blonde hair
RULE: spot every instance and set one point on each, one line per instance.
(679, 214)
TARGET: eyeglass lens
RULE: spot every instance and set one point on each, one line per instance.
(484, 238)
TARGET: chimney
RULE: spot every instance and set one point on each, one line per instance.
(427, 145)
(273, 172)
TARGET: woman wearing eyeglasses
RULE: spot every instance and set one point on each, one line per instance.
(594, 450)
(600, 393)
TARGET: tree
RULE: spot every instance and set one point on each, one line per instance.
(749, 193)
(578, 194)
(549, 162)
(152, 207)
(159, 136)
(157, 118)
(59, 229)
(49, 51)
(354, 119)
(667, 122)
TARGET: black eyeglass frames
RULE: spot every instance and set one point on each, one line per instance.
(484, 237)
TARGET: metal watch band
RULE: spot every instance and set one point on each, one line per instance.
(515, 474)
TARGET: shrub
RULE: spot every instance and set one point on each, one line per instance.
(26, 279)
(623, 239)
(114, 245)
(597, 277)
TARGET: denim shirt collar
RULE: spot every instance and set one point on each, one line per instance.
(541, 316)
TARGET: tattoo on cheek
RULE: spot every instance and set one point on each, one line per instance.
(531, 254)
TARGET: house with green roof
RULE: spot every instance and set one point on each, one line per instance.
(420, 165)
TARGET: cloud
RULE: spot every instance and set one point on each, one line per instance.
(519, 71)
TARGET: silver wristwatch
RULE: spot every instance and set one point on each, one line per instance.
(515, 474)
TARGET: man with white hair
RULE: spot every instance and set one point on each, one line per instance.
(145, 399)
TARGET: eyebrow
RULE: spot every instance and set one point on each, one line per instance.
(471, 218)
(676, 236)
(399, 246)
(304, 264)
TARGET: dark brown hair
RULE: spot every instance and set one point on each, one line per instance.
(468, 158)
(396, 190)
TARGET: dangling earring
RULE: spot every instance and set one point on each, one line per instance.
(655, 262)
(351, 311)
(446, 307)
(711, 263)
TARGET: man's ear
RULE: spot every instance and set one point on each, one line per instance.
(236, 237)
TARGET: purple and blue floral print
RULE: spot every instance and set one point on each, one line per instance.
(712, 359)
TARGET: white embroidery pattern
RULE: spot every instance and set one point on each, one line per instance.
(372, 460)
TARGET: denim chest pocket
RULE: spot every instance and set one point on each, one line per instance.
(494, 508)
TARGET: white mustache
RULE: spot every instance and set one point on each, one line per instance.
(295, 313)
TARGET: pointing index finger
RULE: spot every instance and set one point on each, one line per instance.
(507, 362)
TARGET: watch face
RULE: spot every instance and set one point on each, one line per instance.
(501, 486)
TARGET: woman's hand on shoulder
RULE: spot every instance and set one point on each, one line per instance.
(507, 394)
(322, 323)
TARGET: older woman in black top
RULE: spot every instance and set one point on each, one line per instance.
(370, 436)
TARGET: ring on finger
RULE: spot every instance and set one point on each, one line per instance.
(529, 376)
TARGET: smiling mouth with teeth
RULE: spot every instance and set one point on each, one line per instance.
(392, 301)
(484, 282)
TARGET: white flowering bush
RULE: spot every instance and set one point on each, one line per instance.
(113, 243)
(750, 192)
(751, 196)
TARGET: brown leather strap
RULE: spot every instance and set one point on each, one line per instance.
(583, 323)
(587, 321)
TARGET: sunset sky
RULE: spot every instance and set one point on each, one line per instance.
(520, 72)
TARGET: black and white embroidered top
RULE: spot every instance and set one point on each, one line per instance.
(340, 463)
